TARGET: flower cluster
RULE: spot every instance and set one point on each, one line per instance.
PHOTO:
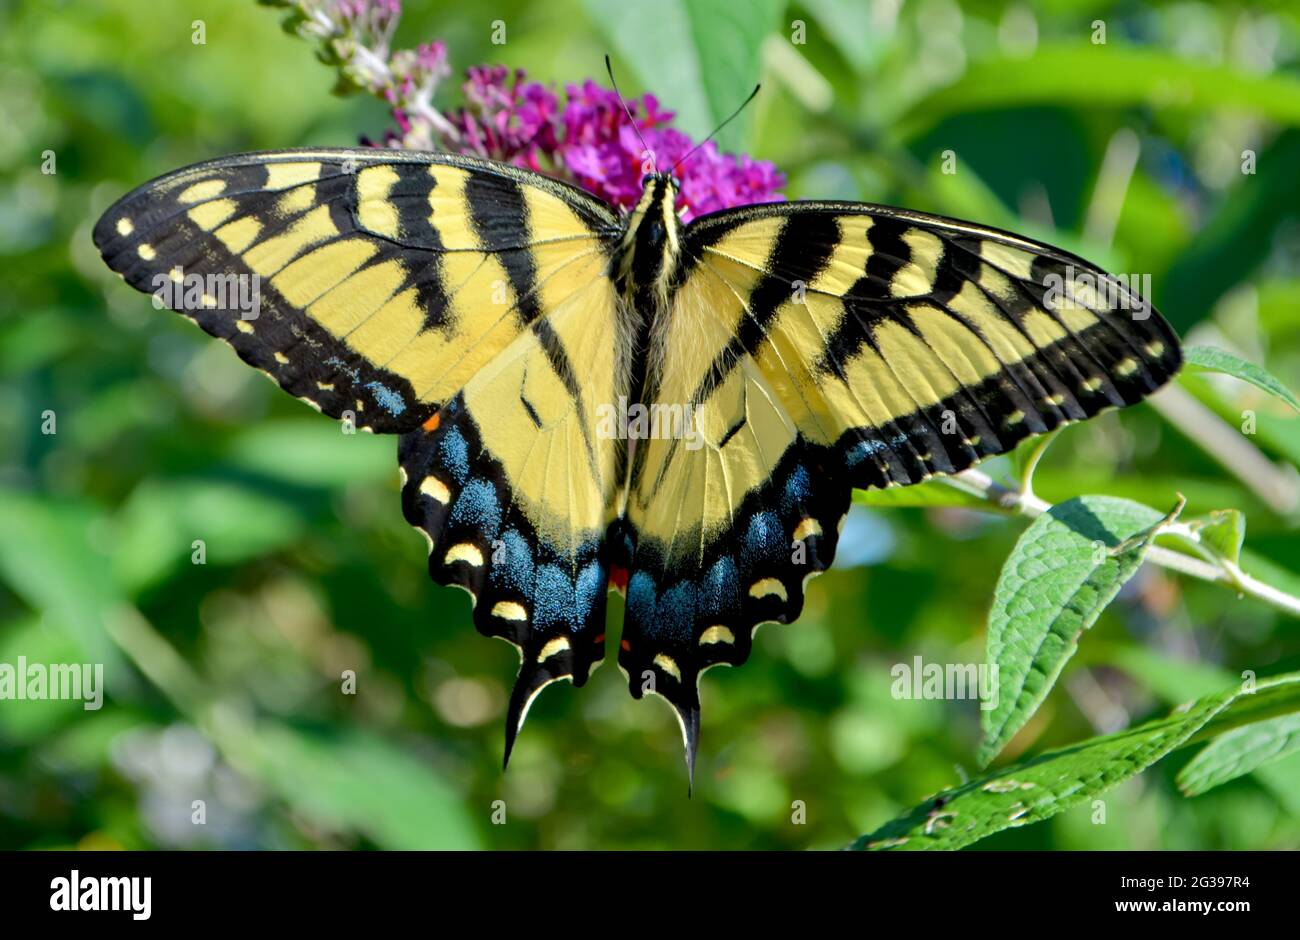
(585, 136)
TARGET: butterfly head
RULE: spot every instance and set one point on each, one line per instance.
(653, 179)
(652, 237)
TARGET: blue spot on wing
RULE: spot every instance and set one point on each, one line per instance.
(641, 597)
(865, 450)
(388, 399)
(721, 594)
(798, 490)
(513, 567)
(764, 540)
(349, 371)
(454, 454)
(554, 599)
(591, 581)
(676, 614)
(477, 506)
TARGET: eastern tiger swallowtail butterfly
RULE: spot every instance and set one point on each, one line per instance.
(500, 322)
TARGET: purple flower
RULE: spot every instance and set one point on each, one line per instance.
(593, 142)
(506, 118)
(587, 138)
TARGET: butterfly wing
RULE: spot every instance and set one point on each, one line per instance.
(380, 280)
(461, 303)
(516, 490)
(827, 346)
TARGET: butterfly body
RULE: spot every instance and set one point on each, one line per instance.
(508, 326)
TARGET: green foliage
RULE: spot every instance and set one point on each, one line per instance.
(715, 48)
(223, 678)
(1064, 571)
(1044, 786)
(1208, 358)
(1109, 75)
(1239, 752)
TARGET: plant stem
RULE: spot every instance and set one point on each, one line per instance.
(1228, 446)
(980, 484)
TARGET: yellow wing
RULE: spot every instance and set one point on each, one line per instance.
(370, 283)
(462, 303)
(516, 491)
(829, 346)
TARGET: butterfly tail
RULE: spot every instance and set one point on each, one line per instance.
(549, 605)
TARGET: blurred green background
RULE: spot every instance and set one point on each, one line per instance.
(223, 679)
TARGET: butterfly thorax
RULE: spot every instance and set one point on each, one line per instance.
(644, 266)
(651, 241)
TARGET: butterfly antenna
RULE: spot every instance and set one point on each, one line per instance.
(645, 148)
(734, 115)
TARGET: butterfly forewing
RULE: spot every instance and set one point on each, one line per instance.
(379, 281)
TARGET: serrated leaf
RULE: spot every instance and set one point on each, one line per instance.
(1240, 752)
(1041, 787)
(1213, 359)
(1064, 570)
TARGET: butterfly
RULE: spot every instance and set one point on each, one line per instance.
(589, 400)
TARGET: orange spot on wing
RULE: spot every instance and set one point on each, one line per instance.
(433, 421)
(625, 646)
(599, 639)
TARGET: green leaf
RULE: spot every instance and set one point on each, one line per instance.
(312, 452)
(1223, 533)
(1213, 359)
(1270, 698)
(161, 520)
(355, 780)
(1043, 786)
(1097, 76)
(700, 59)
(1064, 570)
(927, 495)
(1239, 752)
(50, 558)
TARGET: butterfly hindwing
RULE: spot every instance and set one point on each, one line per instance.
(380, 281)
(830, 346)
(516, 490)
